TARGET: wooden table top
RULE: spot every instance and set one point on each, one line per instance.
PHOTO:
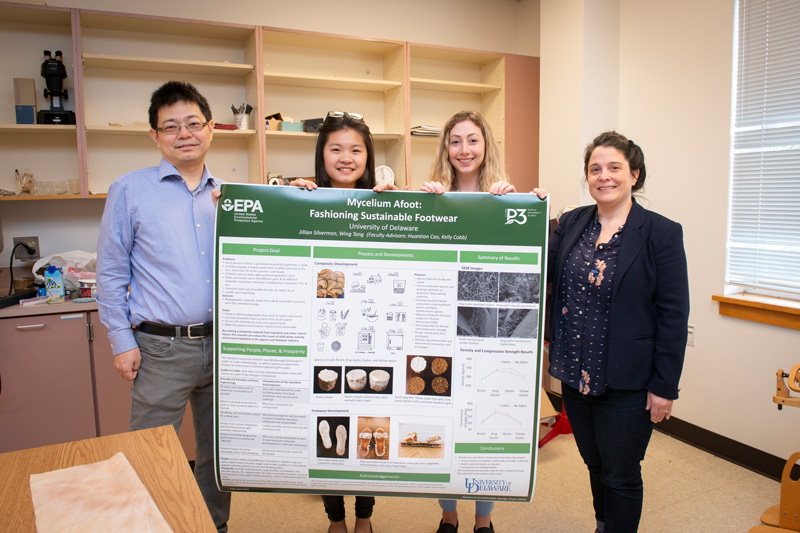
(155, 454)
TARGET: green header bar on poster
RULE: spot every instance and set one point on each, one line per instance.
(384, 254)
(504, 258)
(328, 214)
(260, 249)
(493, 447)
(229, 348)
(379, 476)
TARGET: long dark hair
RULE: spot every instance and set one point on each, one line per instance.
(331, 124)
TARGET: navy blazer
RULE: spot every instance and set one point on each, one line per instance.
(649, 298)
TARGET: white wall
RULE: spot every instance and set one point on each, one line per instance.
(560, 100)
(673, 98)
(507, 26)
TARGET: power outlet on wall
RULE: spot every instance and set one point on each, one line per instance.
(690, 338)
(21, 253)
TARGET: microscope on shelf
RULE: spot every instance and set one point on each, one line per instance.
(54, 72)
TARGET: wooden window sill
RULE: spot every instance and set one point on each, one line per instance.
(765, 309)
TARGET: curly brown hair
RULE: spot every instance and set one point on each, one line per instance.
(632, 152)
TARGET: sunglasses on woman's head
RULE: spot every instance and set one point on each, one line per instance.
(342, 114)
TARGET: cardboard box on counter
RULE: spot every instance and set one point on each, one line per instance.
(25, 100)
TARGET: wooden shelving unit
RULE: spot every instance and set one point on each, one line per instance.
(38, 129)
(126, 55)
(453, 86)
(115, 61)
(444, 81)
(49, 151)
(307, 75)
(154, 64)
(330, 82)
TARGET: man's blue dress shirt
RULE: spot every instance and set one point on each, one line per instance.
(157, 237)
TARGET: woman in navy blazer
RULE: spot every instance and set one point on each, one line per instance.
(619, 325)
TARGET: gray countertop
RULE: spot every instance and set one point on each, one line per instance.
(16, 311)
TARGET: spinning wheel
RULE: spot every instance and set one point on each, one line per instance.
(782, 395)
(785, 517)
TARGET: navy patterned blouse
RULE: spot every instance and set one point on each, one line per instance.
(579, 353)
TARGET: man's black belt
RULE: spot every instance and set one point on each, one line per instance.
(192, 331)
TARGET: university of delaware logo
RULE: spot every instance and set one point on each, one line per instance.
(516, 216)
(489, 485)
(241, 205)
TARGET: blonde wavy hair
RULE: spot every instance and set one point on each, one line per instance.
(492, 168)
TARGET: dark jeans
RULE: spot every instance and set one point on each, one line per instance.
(612, 432)
(334, 506)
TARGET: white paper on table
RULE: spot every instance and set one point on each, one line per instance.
(98, 497)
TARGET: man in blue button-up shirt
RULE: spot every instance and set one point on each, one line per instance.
(157, 238)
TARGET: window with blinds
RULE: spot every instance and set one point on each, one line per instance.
(764, 225)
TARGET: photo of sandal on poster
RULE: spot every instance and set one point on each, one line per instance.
(378, 343)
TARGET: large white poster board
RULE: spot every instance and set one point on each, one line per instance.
(378, 343)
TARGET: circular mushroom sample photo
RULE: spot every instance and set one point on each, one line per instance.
(429, 375)
(368, 380)
(327, 380)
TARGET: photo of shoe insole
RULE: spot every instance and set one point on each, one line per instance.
(373, 437)
(341, 440)
(333, 437)
(325, 433)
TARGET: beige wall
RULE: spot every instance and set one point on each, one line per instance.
(560, 115)
(673, 97)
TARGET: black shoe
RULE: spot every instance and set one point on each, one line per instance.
(447, 528)
(489, 529)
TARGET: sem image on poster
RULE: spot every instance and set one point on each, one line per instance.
(378, 344)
